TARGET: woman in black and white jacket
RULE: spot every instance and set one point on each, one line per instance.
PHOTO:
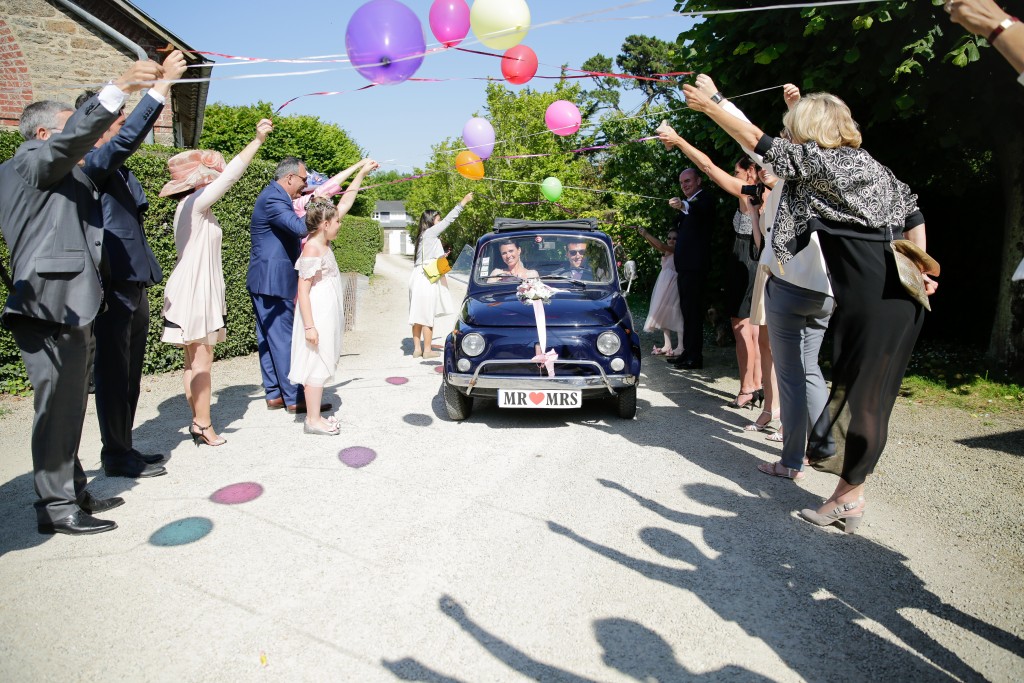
(857, 206)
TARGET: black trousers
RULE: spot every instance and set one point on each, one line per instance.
(57, 358)
(692, 296)
(121, 332)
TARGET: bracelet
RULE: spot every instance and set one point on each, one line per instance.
(311, 327)
(1003, 25)
(717, 97)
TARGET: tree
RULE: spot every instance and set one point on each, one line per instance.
(605, 94)
(646, 56)
(928, 99)
(325, 147)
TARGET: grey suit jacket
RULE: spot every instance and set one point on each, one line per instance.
(50, 218)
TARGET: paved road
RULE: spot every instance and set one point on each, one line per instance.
(554, 546)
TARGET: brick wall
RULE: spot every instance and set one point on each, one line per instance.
(46, 54)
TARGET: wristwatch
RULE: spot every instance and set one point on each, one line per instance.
(1003, 25)
(718, 96)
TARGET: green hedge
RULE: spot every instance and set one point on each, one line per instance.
(356, 247)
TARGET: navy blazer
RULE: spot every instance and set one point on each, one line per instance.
(693, 234)
(49, 214)
(276, 234)
(126, 251)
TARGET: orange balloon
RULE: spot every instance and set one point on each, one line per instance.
(469, 165)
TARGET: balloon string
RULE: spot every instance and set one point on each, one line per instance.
(587, 74)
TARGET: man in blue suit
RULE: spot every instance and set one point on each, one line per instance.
(272, 281)
(129, 268)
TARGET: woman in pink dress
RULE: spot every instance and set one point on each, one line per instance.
(195, 308)
(665, 314)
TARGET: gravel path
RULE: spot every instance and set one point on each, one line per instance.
(554, 546)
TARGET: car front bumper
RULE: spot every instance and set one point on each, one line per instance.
(473, 382)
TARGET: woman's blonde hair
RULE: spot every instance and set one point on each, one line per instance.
(822, 118)
(318, 210)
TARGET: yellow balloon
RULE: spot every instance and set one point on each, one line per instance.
(469, 165)
(500, 24)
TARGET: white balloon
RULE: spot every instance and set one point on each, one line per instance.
(500, 24)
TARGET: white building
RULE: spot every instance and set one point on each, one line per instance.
(394, 221)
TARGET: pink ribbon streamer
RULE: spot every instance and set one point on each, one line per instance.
(548, 357)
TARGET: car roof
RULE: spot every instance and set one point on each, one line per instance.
(514, 224)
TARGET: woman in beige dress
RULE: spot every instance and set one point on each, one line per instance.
(195, 309)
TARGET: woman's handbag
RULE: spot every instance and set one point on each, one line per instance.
(911, 262)
(436, 268)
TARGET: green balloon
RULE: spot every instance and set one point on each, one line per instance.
(551, 188)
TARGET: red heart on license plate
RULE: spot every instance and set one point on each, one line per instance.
(537, 398)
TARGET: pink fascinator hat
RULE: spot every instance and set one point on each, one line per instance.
(192, 170)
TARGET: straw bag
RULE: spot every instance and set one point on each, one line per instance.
(911, 262)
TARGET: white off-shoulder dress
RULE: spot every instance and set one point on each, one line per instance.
(315, 365)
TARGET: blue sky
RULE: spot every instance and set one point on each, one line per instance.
(395, 124)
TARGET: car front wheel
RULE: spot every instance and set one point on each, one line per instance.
(458, 405)
(625, 403)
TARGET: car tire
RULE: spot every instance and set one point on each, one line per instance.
(625, 403)
(458, 405)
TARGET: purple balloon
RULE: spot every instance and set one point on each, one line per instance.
(379, 36)
(449, 21)
(478, 134)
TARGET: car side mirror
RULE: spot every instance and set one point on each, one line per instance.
(628, 274)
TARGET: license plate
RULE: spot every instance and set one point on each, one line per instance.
(549, 398)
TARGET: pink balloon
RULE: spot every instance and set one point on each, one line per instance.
(562, 117)
(478, 134)
(449, 21)
(519, 64)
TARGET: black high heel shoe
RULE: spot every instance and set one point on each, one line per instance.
(758, 399)
(199, 437)
(735, 403)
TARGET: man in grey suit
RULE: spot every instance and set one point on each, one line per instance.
(51, 219)
(122, 328)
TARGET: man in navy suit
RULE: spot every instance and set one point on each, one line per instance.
(272, 281)
(692, 259)
(130, 267)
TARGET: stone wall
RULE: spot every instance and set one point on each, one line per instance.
(48, 54)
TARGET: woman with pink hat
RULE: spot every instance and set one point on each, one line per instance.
(195, 308)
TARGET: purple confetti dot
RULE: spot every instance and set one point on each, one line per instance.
(237, 493)
(397, 381)
(357, 456)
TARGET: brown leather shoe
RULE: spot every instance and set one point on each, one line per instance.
(300, 408)
(275, 403)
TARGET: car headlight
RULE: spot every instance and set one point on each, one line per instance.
(608, 343)
(473, 344)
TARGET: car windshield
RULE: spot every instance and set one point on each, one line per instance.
(549, 257)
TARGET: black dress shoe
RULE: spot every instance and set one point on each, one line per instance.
(691, 365)
(300, 408)
(77, 524)
(133, 469)
(275, 403)
(151, 458)
(93, 505)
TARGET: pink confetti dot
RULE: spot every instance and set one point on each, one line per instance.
(397, 381)
(237, 493)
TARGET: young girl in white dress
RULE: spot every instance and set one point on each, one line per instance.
(319, 321)
(665, 314)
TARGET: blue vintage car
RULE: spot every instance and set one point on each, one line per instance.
(494, 350)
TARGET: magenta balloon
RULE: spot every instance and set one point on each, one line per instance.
(478, 134)
(562, 117)
(449, 21)
(379, 36)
